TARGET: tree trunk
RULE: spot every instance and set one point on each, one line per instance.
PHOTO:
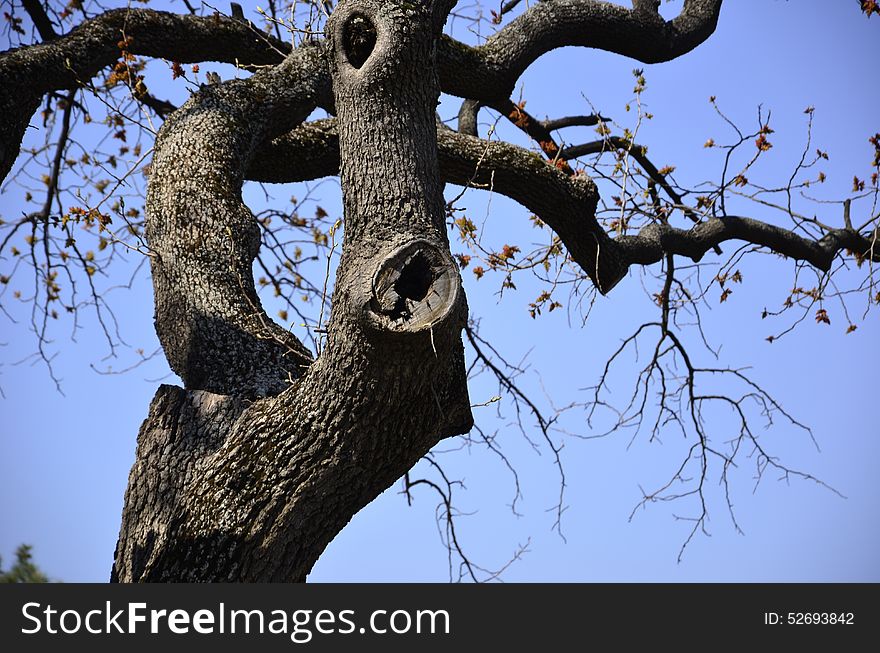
(249, 472)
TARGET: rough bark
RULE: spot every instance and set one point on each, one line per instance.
(565, 203)
(204, 239)
(27, 73)
(251, 470)
(488, 72)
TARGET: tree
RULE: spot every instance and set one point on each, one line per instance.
(23, 571)
(250, 470)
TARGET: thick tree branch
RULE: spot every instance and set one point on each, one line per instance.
(656, 240)
(204, 239)
(490, 71)
(92, 45)
(68, 61)
(564, 203)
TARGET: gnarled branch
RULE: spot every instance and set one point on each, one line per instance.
(655, 240)
(68, 61)
(204, 239)
(567, 204)
(489, 72)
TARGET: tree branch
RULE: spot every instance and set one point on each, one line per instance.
(656, 240)
(162, 108)
(490, 71)
(565, 203)
(517, 114)
(68, 61)
(204, 239)
(467, 117)
(41, 20)
(573, 121)
(637, 152)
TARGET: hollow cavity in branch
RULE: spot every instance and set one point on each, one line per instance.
(414, 288)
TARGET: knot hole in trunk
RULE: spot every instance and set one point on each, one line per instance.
(358, 40)
(414, 288)
(415, 278)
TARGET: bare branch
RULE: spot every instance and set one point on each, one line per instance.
(637, 152)
(655, 240)
(69, 61)
(41, 20)
(490, 71)
(574, 121)
(517, 114)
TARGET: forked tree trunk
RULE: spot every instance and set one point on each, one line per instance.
(248, 472)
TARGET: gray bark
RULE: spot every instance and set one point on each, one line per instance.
(566, 203)
(251, 469)
(249, 472)
(487, 73)
(26, 74)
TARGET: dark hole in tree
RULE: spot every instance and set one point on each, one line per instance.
(415, 279)
(358, 40)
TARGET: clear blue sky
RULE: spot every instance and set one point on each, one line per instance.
(64, 460)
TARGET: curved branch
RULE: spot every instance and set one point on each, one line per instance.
(565, 203)
(204, 239)
(490, 71)
(66, 62)
(656, 240)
